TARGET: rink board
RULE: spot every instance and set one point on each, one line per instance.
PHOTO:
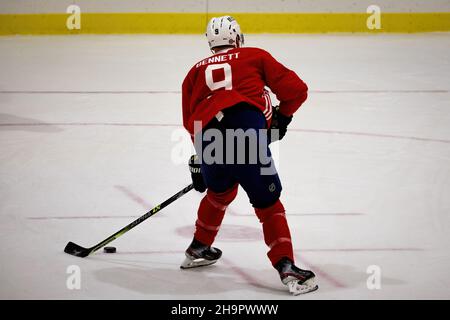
(194, 23)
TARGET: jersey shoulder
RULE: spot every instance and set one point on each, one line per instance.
(253, 50)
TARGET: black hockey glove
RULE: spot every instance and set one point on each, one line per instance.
(280, 122)
(196, 174)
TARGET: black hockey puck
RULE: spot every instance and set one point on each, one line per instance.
(109, 249)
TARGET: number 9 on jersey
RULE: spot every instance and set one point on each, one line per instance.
(225, 83)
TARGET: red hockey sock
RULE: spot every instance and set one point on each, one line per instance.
(276, 232)
(210, 214)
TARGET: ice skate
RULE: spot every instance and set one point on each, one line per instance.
(297, 280)
(199, 255)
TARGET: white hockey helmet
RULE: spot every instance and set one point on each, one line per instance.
(224, 31)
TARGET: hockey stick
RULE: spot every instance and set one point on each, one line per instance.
(79, 251)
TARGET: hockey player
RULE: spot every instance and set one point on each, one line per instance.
(227, 92)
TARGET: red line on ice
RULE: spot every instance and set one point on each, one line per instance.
(133, 196)
(179, 92)
(246, 276)
(289, 214)
(79, 217)
(320, 273)
(361, 249)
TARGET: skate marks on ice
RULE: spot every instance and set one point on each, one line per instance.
(228, 233)
(238, 213)
(302, 214)
(163, 277)
(35, 125)
(178, 92)
(9, 122)
(369, 135)
(157, 278)
(337, 276)
(126, 191)
(81, 217)
(135, 197)
(158, 273)
(255, 278)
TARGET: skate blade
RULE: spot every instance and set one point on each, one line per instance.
(308, 286)
(189, 263)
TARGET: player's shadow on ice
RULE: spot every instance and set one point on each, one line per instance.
(202, 281)
(9, 122)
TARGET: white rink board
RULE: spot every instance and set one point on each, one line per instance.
(365, 169)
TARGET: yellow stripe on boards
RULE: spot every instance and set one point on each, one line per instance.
(195, 23)
(104, 23)
(342, 22)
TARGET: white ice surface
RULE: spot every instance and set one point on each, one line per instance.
(87, 125)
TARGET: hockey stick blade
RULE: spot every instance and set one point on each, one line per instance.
(76, 250)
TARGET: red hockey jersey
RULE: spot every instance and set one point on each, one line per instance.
(239, 75)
